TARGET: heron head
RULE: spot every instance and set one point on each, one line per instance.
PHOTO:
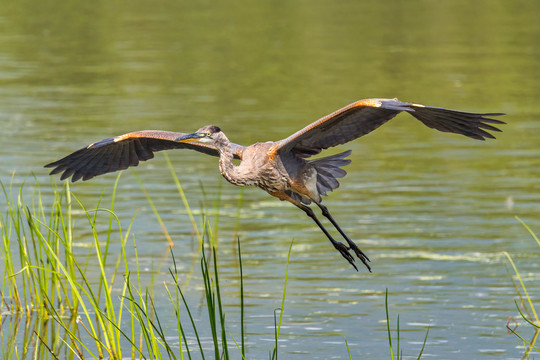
(206, 134)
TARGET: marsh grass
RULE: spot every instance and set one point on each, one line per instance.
(525, 306)
(46, 282)
(74, 305)
(398, 355)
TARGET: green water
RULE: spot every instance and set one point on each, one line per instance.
(433, 211)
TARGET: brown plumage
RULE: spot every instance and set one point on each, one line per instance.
(281, 168)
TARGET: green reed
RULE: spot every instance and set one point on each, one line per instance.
(525, 306)
(399, 351)
(67, 313)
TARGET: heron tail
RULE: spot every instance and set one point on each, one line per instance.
(328, 170)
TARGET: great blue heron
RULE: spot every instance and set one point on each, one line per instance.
(281, 168)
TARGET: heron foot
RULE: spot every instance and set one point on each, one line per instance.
(344, 251)
(359, 253)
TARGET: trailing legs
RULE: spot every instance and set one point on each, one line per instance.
(363, 257)
(342, 248)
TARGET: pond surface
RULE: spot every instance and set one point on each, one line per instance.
(433, 211)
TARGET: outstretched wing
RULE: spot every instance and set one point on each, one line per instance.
(121, 152)
(364, 116)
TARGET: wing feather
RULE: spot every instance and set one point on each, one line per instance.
(143, 153)
(121, 152)
(344, 125)
(364, 116)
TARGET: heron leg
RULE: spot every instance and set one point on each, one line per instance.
(363, 257)
(342, 248)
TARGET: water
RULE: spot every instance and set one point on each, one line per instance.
(433, 211)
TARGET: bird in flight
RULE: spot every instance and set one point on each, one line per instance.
(281, 168)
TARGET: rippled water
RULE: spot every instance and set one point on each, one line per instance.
(432, 211)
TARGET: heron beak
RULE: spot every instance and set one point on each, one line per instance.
(193, 137)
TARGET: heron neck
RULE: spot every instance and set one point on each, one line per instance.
(226, 166)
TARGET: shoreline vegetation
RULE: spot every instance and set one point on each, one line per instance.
(60, 304)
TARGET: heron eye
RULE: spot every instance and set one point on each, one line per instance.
(208, 133)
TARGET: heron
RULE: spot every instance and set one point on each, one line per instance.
(284, 168)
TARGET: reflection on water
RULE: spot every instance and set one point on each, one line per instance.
(432, 211)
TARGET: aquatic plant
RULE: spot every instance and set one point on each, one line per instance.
(525, 305)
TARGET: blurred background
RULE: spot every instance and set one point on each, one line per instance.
(433, 211)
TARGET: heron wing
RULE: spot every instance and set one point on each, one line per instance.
(364, 116)
(121, 152)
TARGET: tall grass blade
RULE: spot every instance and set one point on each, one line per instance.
(190, 317)
(529, 230)
(388, 324)
(530, 309)
(531, 306)
(210, 302)
(176, 306)
(183, 197)
(423, 345)
(348, 349)
(399, 351)
(277, 331)
(525, 317)
(154, 209)
(242, 324)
